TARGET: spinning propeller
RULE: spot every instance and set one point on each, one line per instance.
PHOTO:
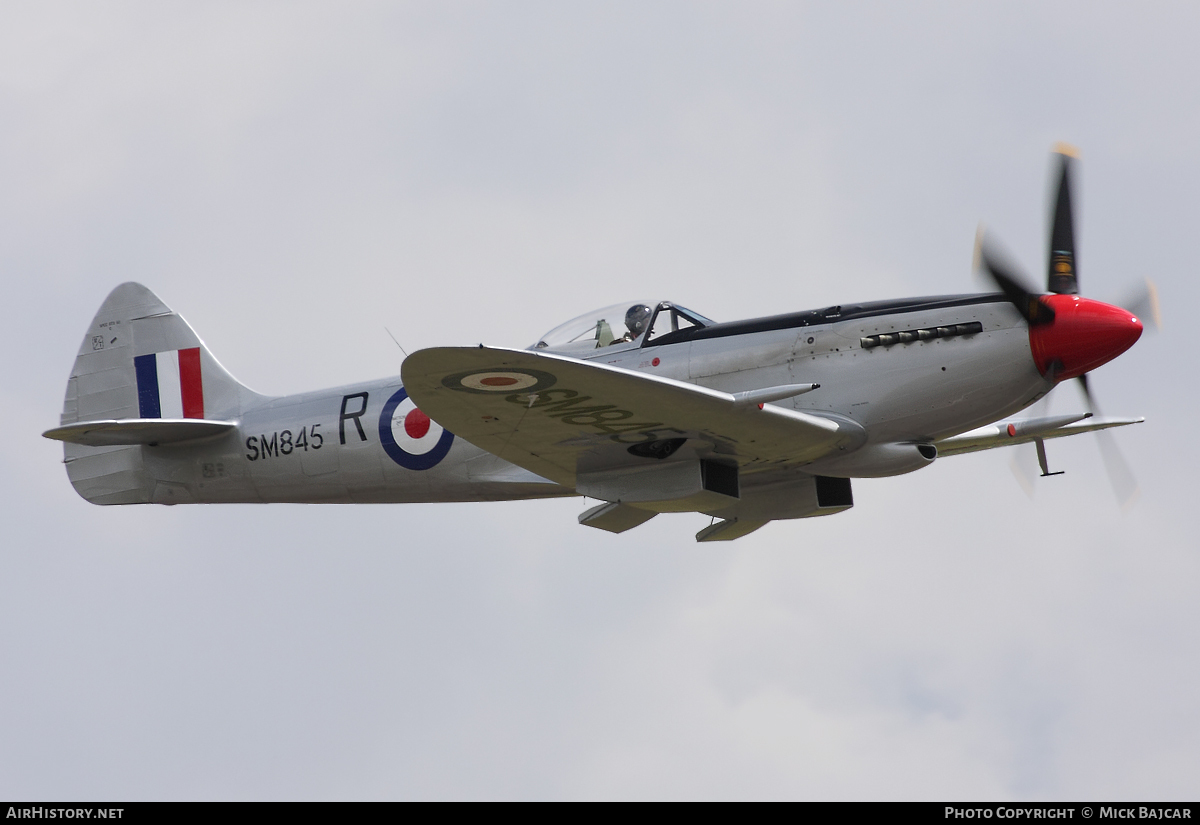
(1070, 335)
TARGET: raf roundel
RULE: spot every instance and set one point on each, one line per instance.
(506, 381)
(500, 380)
(410, 437)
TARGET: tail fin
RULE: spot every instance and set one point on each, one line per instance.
(138, 360)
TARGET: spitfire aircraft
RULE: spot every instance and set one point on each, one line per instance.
(645, 406)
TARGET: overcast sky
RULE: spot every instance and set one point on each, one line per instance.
(295, 177)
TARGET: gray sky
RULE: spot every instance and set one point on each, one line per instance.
(295, 177)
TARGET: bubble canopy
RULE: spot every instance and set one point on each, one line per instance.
(628, 325)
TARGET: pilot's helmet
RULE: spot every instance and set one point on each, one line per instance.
(636, 319)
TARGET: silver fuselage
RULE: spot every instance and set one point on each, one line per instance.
(325, 446)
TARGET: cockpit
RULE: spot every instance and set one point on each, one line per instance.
(626, 326)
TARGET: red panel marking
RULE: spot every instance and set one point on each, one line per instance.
(416, 424)
(1012, 431)
(497, 381)
(760, 406)
(191, 386)
(655, 362)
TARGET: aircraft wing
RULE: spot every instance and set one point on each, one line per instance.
(558, 416)
(1010, 433)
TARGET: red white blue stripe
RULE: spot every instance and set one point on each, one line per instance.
(169, 384)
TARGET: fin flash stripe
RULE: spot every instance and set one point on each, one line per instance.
(169, 384)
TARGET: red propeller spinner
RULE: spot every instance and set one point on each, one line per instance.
(1083, 335)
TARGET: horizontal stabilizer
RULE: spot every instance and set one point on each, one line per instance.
(152, 431)
(1009, 433)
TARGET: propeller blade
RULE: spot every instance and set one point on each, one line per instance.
(1119, 475)
(1087, 394)
(1004, 276)
(1123, 482)
(1063, 274)
(1143, 303)
(1024, 466)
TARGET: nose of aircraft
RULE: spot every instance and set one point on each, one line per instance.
(1083, 335)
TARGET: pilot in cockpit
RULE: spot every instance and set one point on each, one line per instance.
(635, 322)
